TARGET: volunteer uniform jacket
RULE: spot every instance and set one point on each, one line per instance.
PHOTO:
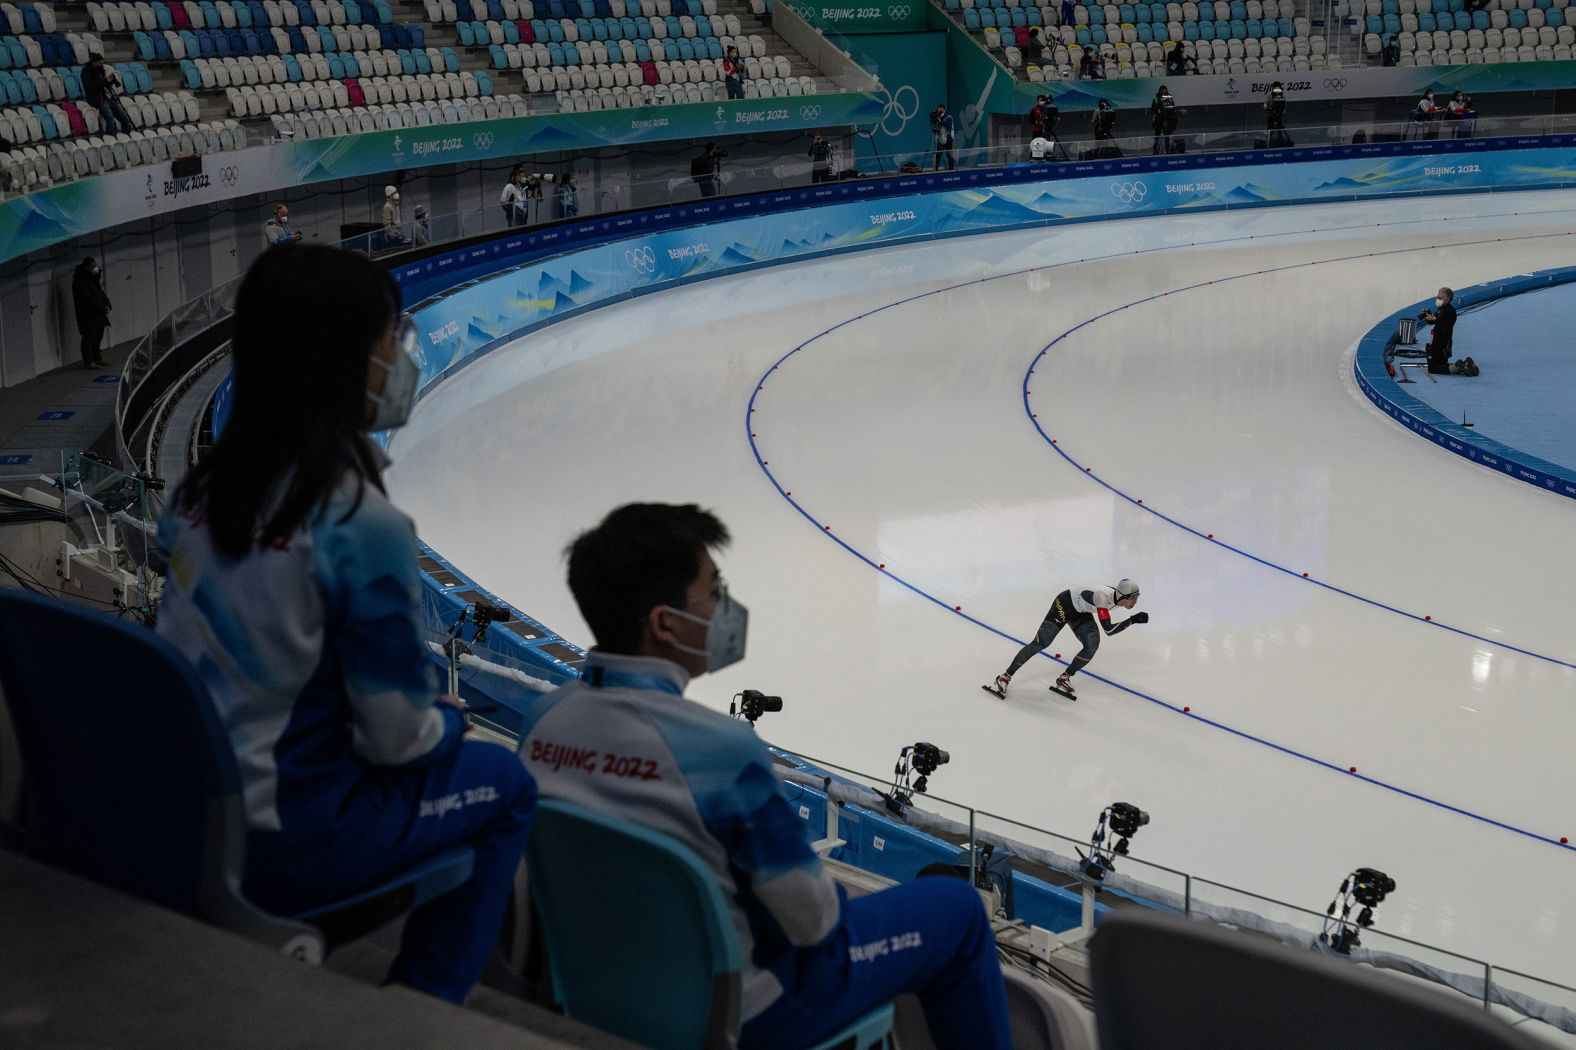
(625, 742)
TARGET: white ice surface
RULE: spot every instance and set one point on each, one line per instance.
(1228, 406)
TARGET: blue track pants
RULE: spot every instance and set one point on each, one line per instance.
(481, 796)
(930, 937)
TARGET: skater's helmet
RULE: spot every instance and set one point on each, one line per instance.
(1126, 589)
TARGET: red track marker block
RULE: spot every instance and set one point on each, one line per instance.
(1564, 841)
(1305, 576)
(881, 566)
(1352, 770)
(1187, 710)
(1211, 536)
(957, 608)
(1058, 656)
(1428, 619)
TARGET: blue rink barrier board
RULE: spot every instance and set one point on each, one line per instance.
(1372, 378)
(481, 296)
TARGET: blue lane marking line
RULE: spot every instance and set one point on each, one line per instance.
(826, 527)
(1034, 421)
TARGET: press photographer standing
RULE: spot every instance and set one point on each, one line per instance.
(820, 159)
(1275, 116)
(941, 138)
(706, 170)
(1441, 341)
(1163, 116)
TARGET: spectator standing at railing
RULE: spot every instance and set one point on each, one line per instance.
(101, 87)
(512, 199)
(277, 229)
(813, 960)
(733, 73)
(1037, 117)
(1103, 120)
(393, 226)
(1424, 114)
(294, 592)
(92, 306)
(421, 229)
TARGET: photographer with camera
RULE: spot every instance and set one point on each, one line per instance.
(1442, 340)
(1081, 610)
(646, 583)
(706, 170)
(820, 159)
(941, 138)
(1103, 121)
(1163, 116)
(1275, 117)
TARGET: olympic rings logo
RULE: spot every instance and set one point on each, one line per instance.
(482, 140)
(1336, 84)
(902, 106)
(809, 112)
(1129, 192)
(899, 11)
(230, 176)
(641, 260)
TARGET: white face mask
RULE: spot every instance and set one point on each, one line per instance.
(725, 633)
(1438, 303)
(399, 388)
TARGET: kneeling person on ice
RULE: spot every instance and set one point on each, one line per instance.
(1080, 610)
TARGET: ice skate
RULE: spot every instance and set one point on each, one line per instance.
(998, 688)
(1064, 686)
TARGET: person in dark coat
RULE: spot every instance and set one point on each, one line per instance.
(92, 307)
(101, 87)
(1443, 318)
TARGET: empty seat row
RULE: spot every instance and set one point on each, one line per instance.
(31, 19)
(46, 85)
(49, 49)
(1419, 7)
(439, 11)
(43, 122)
(512, 56)
(1479, 56)
(650, 74)
(172, 45)
(342, 121)
(538, 31)
(35, 167)
(1546, 36)
(268, 99)
(127, 15)
(290, 69)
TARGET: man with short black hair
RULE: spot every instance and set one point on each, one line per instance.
(647, 585)
(1390, 54)
(706, 170)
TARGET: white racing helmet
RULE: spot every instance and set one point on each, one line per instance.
(1126, 589)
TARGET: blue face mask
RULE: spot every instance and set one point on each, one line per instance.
(725, 633)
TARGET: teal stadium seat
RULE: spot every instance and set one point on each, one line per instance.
(639, 936)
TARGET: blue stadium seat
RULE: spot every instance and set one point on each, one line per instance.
(352, 67)
(1480, 20)
(1518, 18)
(467, 33)
(500, 60)
(643, 51)
(336, 65)
(189, 74)
(1190, 31)
(173, 832)
(484, 84)
(292, 68)
(1555, 17)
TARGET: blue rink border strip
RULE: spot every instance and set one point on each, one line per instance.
(1369, 369)
(826, 529)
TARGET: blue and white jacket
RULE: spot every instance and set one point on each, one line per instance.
(313, 654)
(624, 741)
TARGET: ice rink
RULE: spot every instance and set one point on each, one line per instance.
(1198, 364)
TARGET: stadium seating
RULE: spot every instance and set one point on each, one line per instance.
(1445, 32)
(614, 896)
(1220, 36)
(140, 718)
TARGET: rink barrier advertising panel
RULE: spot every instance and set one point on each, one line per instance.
(1368, 366)
(1316, 85)
(59, 213)
(609, 259)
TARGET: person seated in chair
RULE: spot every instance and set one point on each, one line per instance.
(293, 589)
(645, 582)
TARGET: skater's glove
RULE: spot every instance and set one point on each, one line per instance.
(1142, 617)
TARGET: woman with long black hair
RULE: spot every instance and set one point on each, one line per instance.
(293, 589)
